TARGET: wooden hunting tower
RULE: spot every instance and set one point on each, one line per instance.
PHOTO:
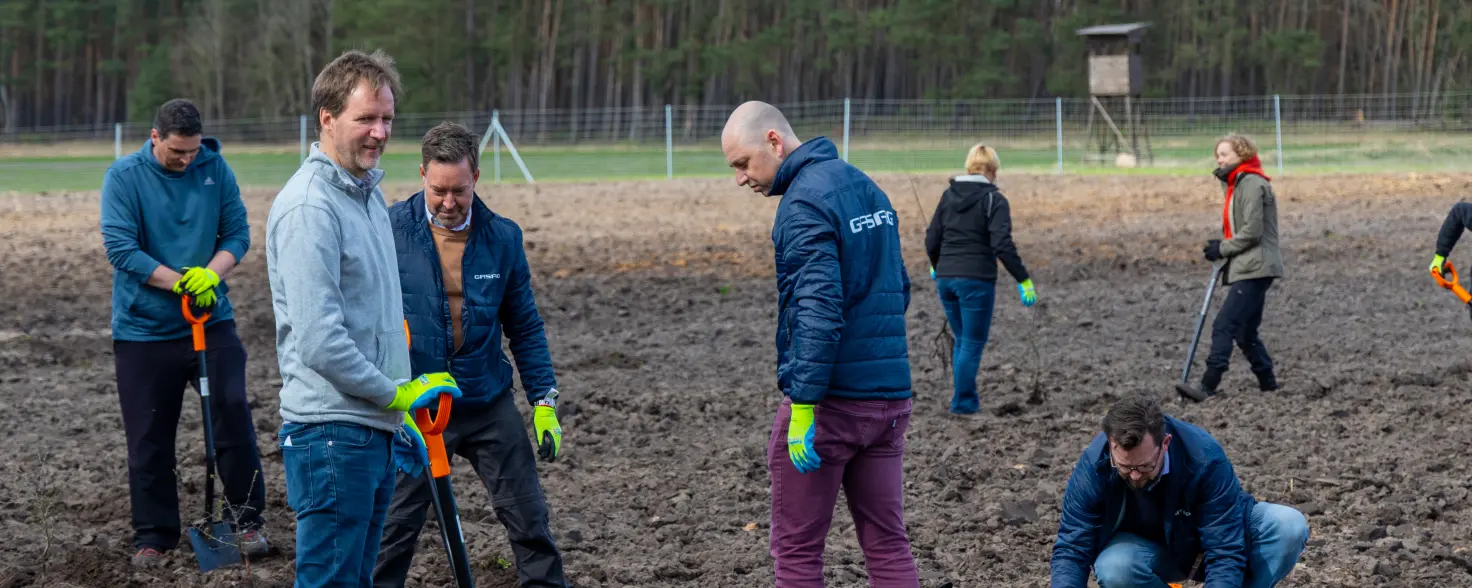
(1116, 80)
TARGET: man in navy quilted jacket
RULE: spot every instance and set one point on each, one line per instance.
(842, 360)
(1154, 499)
(467, 285)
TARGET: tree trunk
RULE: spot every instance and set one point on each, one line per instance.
(327, 32)
(89, 85)
(40, 64)
(218, 18)
(575, 99)
(636, 93)
(1343, 52)
(1387, 57)
(472, 49)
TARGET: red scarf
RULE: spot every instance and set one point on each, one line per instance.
(1251, 166)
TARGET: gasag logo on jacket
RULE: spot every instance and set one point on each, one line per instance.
(486, 276)
(869, 221)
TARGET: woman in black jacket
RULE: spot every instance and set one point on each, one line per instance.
(971, 229)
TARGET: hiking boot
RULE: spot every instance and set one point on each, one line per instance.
(1209, 381)
(147, 557)
(1266, 381)
(253, 543)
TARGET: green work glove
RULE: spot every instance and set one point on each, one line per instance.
(197, 281)
(800, 439)
(411, 455)
(206, 300)
(549, 431)
(423, 391)
(1029, 295)
(1437, 264)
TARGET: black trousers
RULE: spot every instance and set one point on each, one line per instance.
(152, 376)
(495, 442)
(1237, 322)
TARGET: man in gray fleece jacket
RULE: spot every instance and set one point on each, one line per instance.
(346, 390)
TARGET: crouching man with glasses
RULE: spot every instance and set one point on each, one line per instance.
(1154, 499)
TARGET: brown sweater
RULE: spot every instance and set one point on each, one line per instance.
(451, 247)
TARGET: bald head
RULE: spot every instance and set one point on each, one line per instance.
(751, 121)
(756, 140)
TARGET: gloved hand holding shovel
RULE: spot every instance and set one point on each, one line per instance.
(1445, 275)
(420, 443)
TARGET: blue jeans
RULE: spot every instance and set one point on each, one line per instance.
(968, 304)
(1279, 534)
(339, 480)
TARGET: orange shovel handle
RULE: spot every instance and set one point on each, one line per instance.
(196, 323)
(1452, 282)
(432, 429)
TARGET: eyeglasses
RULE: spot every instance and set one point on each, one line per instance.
(1144, 469)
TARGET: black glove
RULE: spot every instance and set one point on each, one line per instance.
(1212, 250)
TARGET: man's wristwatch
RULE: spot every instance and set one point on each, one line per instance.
(550, 399)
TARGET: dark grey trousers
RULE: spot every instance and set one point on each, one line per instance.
(495, 442)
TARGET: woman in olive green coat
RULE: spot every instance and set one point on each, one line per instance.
(1250, 248)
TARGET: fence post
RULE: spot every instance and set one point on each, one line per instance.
(1278, 120)
(847, 108)
(302, 142)
(669, 145)
(1058, 116)
(496, 144)
(117, 140)
(510, 146)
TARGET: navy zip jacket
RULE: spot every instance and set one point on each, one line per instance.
(841, 281)
(152, 216)
(497, 295)
(1205, 510)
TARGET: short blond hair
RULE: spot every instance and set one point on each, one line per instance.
(1241, 145)
(982, 159)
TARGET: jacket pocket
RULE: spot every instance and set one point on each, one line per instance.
(386, 357)
(128, 298)
(1250, 263)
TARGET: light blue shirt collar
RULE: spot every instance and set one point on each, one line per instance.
(1164, 469)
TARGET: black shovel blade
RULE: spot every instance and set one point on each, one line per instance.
(1190, 392)
(215, 546)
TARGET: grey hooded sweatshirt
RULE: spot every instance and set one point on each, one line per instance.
(330, 256)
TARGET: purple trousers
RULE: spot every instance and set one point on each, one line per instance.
(862, 446)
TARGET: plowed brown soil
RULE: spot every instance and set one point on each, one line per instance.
(660, 304)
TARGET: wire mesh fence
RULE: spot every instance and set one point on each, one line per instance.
(1297, 134)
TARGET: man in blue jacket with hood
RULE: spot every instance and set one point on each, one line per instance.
(842, 358)
(173, 224)
(465, 278)
(1154, 499)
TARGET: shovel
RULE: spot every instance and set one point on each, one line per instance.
(215, 544)
(1183, 388)
(440, 491)
(444, 496)
(1451, 282)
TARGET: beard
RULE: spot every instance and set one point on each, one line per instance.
(1141, 485)
(362, 160)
